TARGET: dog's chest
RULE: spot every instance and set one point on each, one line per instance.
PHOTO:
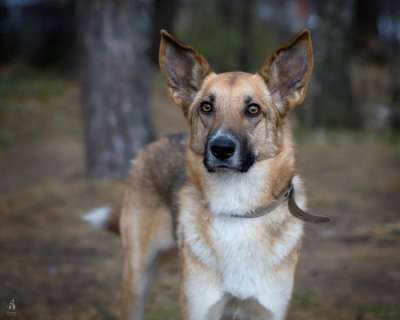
(241, 257)
(247, 257)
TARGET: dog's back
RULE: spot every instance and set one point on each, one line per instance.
(159, 171)
(157, 174)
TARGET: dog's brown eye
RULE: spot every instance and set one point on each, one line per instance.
(206, 107)
(253, 109)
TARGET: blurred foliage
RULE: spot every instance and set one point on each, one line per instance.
(305, 300)
(32, 101)
(338, 136)
(383, 312)
(233, 35)
(216, 36)
(331, 91)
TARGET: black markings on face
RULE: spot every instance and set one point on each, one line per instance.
(248, 100)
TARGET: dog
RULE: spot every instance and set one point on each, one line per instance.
(227, 195)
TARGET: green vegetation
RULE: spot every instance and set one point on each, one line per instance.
(305, 300)
(216, 37)
(31, 101)
(381, 312)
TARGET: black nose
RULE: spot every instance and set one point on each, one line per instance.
(222, 148)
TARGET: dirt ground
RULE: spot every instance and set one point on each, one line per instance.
(56, 267)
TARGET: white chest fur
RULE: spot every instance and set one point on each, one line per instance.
(248, 257)
(233, 193)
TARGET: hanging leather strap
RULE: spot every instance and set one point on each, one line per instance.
(294, 209)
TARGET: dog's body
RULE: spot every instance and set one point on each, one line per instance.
(199, 192)
(222, 256)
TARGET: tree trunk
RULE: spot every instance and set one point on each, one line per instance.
(163, 17)
(246, 34)
(371, 75)
(331, 103)
(116, 77)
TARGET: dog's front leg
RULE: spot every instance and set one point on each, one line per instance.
(201, 295)
(145, 233)
(137, 269)
(276, 300)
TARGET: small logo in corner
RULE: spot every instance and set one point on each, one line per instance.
(11, 308)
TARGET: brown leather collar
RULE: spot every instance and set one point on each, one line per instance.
(294, 209)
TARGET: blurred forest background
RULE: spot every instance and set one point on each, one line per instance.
(80, 94)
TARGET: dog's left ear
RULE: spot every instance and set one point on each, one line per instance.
(184, 68)
(287, 72)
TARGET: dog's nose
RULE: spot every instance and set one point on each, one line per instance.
(223, 148)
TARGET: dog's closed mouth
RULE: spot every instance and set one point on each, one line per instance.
(222, 168)
(225, 168)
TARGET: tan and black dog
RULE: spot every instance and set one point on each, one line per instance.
(227, 195)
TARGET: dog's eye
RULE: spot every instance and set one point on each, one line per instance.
(206, 107)
(253, 109)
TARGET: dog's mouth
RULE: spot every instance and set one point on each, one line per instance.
(237, 165)
(223, 168)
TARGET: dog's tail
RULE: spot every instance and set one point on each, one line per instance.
(105, 218)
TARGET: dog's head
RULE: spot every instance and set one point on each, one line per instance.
(235, 117)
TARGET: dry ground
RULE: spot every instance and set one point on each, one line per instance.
(57, 267)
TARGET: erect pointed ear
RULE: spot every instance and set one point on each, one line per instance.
(287, 72)
(184, 68)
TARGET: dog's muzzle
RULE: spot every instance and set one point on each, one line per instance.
(227, 151)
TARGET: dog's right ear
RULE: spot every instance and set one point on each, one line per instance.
(184, 68)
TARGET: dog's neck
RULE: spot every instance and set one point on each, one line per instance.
(237, 193)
